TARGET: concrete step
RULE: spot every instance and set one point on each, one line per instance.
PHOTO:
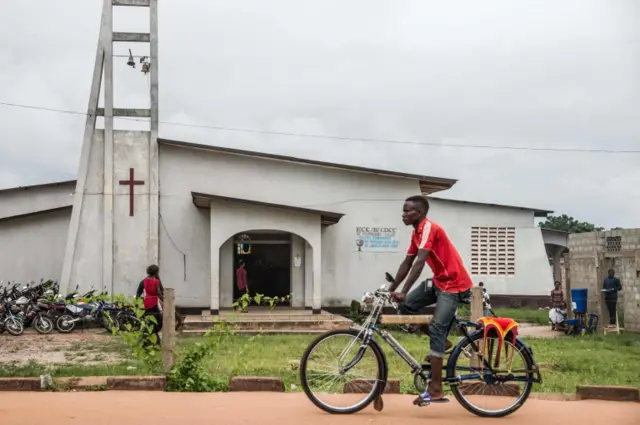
(271, 324)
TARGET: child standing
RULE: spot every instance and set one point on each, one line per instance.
(153, 293)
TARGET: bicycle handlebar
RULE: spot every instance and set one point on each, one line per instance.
(383, 292)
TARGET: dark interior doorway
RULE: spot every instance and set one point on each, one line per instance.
(267, 258)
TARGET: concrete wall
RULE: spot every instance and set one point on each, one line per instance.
(274, 182)
(348, 273)
(33, 247)
(365, 199)
(185, 238)
(584, 267)
(128, 253)
(532, 275)
(589, 260)
(130, 234)
(86, 263)
(36, 198)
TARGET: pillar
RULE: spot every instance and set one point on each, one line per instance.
(215, 266)
(317, 277)
(297, 272)
(308, 276)
(557, 261)
(227, 273)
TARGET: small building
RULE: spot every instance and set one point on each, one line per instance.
(590, 257)
(322, 233)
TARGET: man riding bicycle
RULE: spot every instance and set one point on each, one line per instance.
(451, 283)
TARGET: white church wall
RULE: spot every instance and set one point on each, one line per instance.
(186, 170)
(21, 201)
(277, 182)
(532, 267)
(349, 272)
(184, 244)
(32, 247)
(346, 272)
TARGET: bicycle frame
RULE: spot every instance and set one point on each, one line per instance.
(372, 325)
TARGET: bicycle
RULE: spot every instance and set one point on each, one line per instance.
(500, 382)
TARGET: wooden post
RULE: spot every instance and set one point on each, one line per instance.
(168, 328)
(477, 296)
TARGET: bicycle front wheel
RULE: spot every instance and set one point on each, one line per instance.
(339, 374)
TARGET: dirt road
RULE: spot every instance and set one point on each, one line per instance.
(123, 408)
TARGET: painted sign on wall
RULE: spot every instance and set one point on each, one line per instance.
(377, 239)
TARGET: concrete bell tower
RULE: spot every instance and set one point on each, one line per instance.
(113, 233)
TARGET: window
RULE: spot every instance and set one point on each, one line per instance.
(614, 243)
(493, 251)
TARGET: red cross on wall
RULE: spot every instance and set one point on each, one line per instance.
(131, 183)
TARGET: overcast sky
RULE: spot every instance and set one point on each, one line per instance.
(503, 73)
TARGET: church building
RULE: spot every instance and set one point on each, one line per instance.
(322, 233)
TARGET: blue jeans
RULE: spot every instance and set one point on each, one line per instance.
(446, 306)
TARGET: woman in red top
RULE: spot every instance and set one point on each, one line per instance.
(151, 287)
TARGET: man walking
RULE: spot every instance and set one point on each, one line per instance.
(451, 283)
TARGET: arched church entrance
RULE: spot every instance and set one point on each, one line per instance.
(266, 257)
(276, 263)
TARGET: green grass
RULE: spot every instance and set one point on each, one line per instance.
(525, 315)
(565, 362)
(32, 370)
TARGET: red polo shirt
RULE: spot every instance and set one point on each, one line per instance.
(449, 273)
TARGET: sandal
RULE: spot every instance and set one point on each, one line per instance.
(425, 399)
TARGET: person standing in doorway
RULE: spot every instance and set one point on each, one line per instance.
(150, 288)
(611, 287)
(241, 278)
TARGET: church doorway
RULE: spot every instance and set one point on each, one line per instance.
(267, 259)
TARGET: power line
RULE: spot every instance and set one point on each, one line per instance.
(341, 138)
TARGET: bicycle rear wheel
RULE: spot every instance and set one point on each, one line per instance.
(324, 380)
(512, 376)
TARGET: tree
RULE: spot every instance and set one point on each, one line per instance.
(568, 224)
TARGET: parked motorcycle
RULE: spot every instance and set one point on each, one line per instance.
(100, 312)
(9, 321)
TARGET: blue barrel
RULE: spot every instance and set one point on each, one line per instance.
(579, 296)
